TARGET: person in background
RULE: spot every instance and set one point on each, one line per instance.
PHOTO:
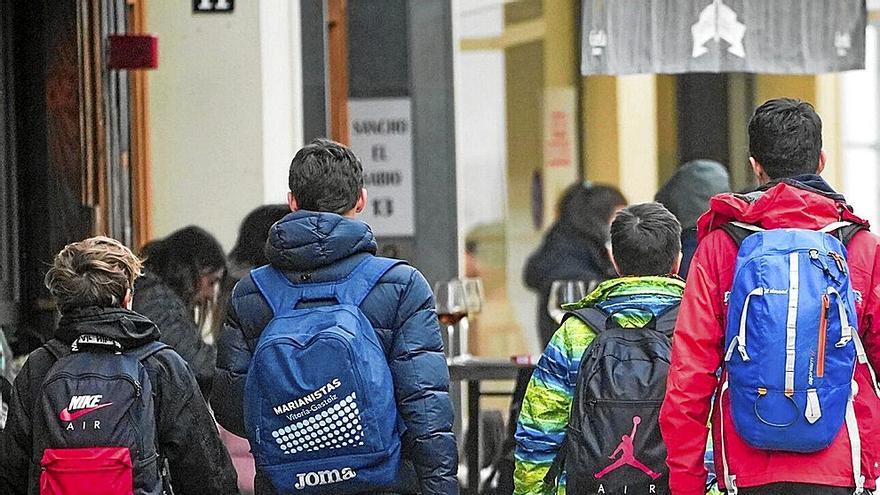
(686, 194)
(247, 254)
(178, 290)
(646, 252)
(92, 282)
(575, 246)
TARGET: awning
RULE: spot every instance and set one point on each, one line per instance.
(760, 36)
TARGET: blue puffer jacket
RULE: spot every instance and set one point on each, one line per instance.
(318, 247)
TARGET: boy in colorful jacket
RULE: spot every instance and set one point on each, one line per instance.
(646, 251)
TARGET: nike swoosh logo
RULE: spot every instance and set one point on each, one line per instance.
(72, 416)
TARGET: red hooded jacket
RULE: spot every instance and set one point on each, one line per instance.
(697, 351)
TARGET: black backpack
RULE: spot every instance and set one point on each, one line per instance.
(95, 420)
(613, 442)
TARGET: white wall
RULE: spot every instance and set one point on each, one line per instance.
(860, 133)
(225, 112)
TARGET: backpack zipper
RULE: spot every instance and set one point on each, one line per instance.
(135, 384)
(823, 331)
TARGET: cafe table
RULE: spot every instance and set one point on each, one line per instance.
(475, 370)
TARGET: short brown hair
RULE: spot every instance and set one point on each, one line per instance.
(326, 176)
(95, 272)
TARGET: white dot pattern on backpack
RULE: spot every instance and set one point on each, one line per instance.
(337, 427)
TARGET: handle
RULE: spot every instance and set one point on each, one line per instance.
(777, 425)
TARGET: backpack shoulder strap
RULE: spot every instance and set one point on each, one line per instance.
(282, 295)
(844, 230)
(739, 231)
(665, 321)
(275, 287)
(592, 316)
(56, 348)
(355, 288)
(147, 350)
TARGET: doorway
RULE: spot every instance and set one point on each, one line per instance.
(64, 158)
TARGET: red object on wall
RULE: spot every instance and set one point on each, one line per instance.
(133, 51)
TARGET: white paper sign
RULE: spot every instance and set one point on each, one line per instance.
(381, 136)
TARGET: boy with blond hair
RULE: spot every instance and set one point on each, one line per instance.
(104, 407)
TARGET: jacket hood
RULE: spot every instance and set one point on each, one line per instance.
(633, 301)
(686, 194)
(305, 240)
(806, 202)
(126, 327)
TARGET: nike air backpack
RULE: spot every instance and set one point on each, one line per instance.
(319, 403)
(612, 442)
(94, 421)
(791, 342)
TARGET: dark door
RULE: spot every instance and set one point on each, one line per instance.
(71, 147)
(8, 190)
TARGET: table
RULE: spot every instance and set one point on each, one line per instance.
(474, 370)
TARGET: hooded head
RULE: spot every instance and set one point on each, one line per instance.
(686, 194)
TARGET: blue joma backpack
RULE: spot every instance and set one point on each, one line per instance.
(791, 340)
(319, 405)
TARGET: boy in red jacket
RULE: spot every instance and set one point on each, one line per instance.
(785, 143)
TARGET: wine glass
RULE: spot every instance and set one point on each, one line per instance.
(474, 295)
(564, 292)
(452, 306)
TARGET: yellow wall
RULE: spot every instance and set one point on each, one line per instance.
(824, 93)
(667, 128)
(621, 133)
(600, 155)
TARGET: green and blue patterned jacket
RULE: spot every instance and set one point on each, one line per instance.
(547, 403)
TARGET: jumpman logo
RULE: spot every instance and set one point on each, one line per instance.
(627, 455)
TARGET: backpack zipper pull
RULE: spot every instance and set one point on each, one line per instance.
(137, 388)
(839, 260)
(820, 263)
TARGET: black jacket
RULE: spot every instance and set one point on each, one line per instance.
(187, 435)
(319, 247)
(158, 302)
(562, 256)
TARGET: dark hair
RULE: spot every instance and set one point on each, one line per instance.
(785, 137)
(326, 176)
(586, 208)
(182, 257)
(645, 239)
(253, 232)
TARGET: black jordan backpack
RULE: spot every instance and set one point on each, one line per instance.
(613, 442)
